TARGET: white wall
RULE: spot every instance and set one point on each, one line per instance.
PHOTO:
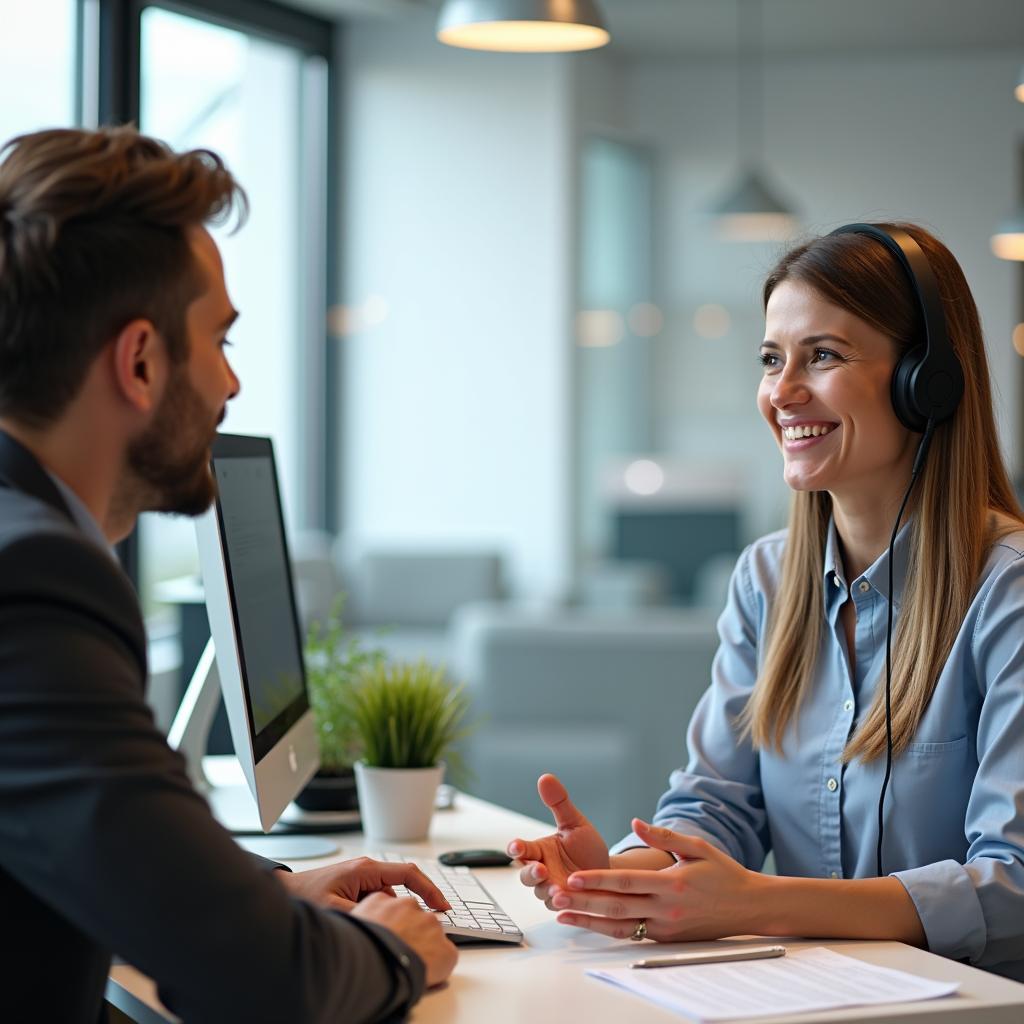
(932, 139)
(456, 414)
(460, 208)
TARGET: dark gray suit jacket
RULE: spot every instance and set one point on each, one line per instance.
(104, 845)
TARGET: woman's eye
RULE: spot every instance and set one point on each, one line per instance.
(824, 355)
(768, 360)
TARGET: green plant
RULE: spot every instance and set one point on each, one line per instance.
(333, 662)
(407, 715)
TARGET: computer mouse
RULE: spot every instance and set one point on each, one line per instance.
(475, 859)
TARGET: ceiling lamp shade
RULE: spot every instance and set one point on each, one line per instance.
(1008, 241)
(750, 211)
(522, 26)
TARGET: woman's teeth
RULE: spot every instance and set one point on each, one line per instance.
(795, 433)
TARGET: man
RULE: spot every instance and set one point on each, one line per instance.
(113, 377)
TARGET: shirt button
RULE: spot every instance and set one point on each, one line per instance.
(832, 785)
(848, 706)
(403, 960)
(863, 586)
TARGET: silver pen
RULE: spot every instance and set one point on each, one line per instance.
(712, 957)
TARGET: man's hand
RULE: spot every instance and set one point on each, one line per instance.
(341, 886)
(419, 930)
(576, 846)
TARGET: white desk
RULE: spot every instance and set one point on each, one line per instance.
(543, 980)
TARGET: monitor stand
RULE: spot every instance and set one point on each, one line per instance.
(233, 806)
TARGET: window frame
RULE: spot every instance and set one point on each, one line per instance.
(118, 93)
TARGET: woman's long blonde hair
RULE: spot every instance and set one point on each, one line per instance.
(963, 482)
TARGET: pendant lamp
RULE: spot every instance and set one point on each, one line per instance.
(1008, 241)
(1019, 90)
(751, 210)
(522, 26)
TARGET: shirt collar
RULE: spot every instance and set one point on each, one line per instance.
(837, 586)
(83, 518)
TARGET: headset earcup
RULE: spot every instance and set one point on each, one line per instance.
(904, 400)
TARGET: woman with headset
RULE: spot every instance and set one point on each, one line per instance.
(890, 789)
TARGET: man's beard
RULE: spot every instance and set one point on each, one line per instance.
(169, 462)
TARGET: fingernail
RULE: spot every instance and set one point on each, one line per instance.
(514, 849)
(561, 900)
(575, 883)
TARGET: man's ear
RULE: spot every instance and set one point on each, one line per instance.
(139, 364)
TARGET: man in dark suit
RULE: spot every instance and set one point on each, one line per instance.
(113, 377)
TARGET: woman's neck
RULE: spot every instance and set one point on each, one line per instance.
(864, 525)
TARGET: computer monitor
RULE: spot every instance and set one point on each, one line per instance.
(254, 625)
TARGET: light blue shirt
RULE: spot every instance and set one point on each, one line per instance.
(954, 811)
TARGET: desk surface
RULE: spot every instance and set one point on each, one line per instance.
(543, 980)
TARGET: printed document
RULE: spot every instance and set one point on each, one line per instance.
(804, 980)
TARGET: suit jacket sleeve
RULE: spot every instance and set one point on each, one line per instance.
(99, 821)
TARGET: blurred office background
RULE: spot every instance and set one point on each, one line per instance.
(506, 352)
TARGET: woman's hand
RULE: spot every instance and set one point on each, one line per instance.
(576, 846)
(341, 886)
(707, 895)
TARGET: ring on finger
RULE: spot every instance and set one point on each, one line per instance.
(640, 931)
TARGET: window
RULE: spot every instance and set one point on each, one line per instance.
(260, 102)
(39, 85)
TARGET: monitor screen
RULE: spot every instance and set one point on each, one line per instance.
(262, 603)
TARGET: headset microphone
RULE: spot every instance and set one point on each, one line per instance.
(927, 385)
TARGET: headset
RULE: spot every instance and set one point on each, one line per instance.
(927, 385)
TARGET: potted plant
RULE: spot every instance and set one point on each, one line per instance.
(407, 717)
(333, 662)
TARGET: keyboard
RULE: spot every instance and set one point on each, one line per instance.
(475, 915)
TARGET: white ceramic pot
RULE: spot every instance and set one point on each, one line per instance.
(397, 803)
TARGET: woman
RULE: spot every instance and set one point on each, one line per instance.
(788, 746)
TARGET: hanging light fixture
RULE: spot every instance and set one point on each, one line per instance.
(1019, 90)
(1008, 241)
(751, 210)
(522, 26)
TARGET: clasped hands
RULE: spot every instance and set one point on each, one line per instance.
(684, 888)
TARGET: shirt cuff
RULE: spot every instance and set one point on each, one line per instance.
(949, 908)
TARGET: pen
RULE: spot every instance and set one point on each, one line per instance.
(712, 957)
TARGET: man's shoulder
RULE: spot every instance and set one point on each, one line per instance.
(46, 561)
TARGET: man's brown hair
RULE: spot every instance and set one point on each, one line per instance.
(93, 234)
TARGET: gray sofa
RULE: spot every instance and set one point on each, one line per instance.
(601, 699)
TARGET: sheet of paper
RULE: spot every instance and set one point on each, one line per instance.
(802, 981)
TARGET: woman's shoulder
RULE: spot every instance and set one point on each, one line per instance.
(760, 564)
(1007, 543)
(768, 548)
(1001, 583)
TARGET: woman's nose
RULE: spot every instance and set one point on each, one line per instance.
(790, 388)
